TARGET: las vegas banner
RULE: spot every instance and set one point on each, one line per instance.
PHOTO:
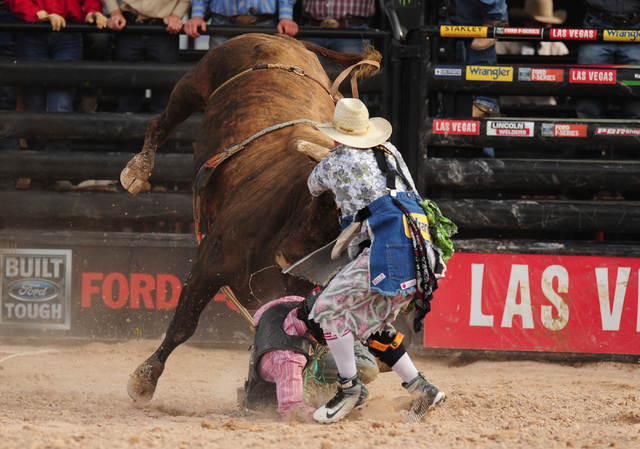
(545, 303)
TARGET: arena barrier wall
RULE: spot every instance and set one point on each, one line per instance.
(564, 299)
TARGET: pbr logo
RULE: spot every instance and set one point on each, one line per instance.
(448, 72)
(524, 74)
(547, 129)
(35, 286)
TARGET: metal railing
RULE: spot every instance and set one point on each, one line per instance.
(528, 188)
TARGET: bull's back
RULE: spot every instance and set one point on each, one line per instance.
(247, 104)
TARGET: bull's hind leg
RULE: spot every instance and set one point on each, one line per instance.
(197, 291)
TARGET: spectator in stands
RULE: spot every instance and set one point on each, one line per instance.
(536, 14)
(338, 14)
(492, 13)
(30, 45)
(8, 95)
(622, 14)
(95, 47)
(270, 13)
(146, 47)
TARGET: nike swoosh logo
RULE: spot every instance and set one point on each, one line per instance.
(331, 415)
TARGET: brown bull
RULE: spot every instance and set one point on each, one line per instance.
(258, 213)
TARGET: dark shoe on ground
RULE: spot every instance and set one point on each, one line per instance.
(159, 188)
(100, 185)
(424, 397)
(351, 394)
(63, 186)
(23, 183)
(480, 110)
(482, 43)
(88, 103)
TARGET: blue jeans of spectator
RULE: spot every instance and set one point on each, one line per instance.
(139, 48)
(8, 95)
(477, 12)
(54, 45)
(607, 54)
(217, 20)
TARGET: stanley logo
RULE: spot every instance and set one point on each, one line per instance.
(463, 31)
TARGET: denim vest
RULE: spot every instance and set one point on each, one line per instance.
(392, 267)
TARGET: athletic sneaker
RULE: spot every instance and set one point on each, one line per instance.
(351, 394)
(424, 396)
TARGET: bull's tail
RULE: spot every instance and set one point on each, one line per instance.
(348, 59)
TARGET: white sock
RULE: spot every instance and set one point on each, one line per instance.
(343, 353)
(405, 368)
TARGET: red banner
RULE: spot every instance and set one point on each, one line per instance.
(574, 34)
(465, 127)
(592, 76)
(569, 130)
(519, 302)
(547, 75)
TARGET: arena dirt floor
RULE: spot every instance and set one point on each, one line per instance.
(75, 397)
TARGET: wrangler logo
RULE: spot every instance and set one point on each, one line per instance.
(479, 73)
(621, 35)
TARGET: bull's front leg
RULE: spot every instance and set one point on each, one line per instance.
(185, 100)
(138, 170)
(205, 279)
(142, 383)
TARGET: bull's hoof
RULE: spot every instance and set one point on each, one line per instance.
(135, 175)
(142, 383)
(131, 183)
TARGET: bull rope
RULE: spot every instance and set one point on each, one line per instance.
(202, 178)
(289, 68)
(226, 290)
(205, 172)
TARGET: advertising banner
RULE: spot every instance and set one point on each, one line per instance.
(35, 290)
(489, 73)
(105, 286)
(545, 303)
(117, 286)
(463, 31)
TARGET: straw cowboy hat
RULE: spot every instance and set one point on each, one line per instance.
(352, 126)
(540, 10)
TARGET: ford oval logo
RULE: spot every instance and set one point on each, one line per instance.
(33, 290)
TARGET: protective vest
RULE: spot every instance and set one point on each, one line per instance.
(270, 336)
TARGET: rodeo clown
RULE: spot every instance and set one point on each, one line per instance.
(288, 363)
(393, 264)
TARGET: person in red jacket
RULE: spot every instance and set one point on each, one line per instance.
(53, 45)
(8, 94)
